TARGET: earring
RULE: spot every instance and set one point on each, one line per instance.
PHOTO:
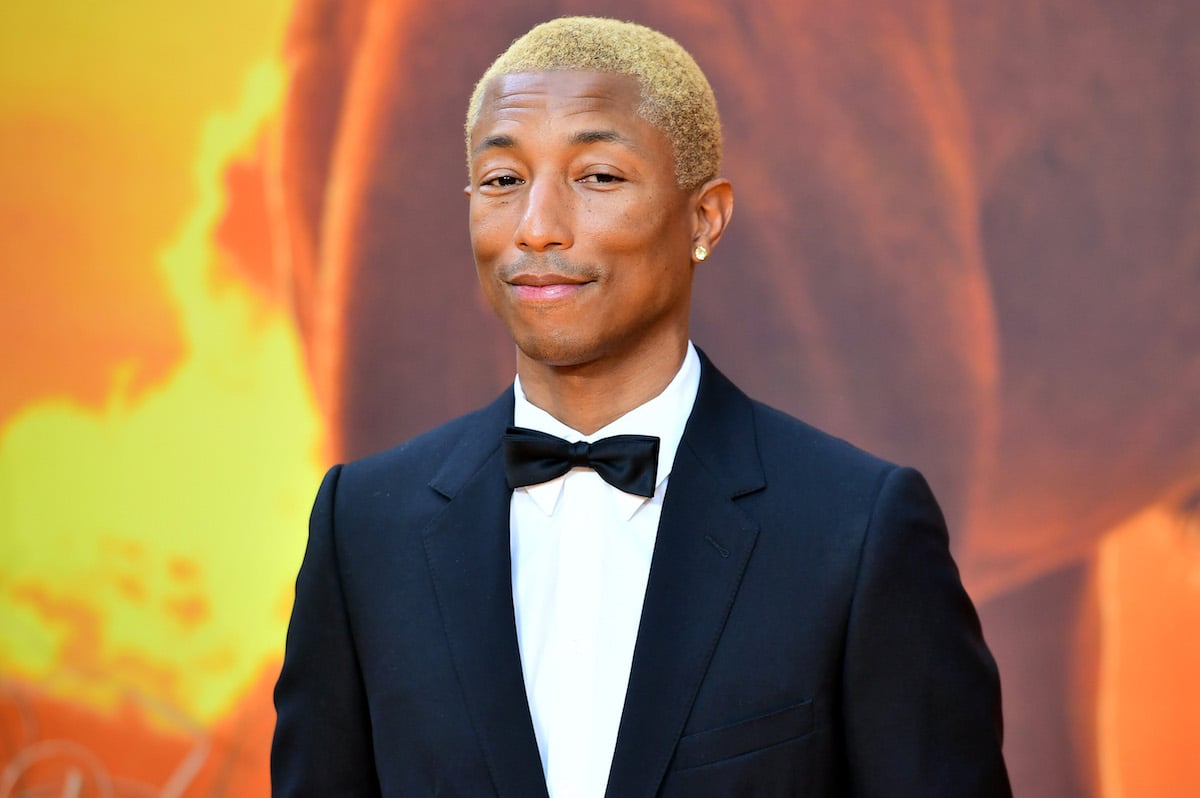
(700, 252)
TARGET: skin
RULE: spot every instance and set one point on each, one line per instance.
(583, 242)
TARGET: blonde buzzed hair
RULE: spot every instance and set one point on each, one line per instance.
(676, 97)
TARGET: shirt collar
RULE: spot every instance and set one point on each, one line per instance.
(664, 416)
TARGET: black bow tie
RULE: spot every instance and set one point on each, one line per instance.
(627, 462)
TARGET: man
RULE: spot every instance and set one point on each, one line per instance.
(714, 599)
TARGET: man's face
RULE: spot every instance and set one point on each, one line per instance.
(582, 239)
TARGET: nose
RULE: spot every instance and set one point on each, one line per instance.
(546, 221)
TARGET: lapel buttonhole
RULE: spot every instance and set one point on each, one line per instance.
(724, 552)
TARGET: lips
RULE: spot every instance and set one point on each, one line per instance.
(546, 287)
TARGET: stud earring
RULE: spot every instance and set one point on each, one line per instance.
(700, 252)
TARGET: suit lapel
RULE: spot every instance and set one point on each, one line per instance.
(704, 542)
(467, 549)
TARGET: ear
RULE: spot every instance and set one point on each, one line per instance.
(713, 208)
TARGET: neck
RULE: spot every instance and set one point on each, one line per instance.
(588, 396)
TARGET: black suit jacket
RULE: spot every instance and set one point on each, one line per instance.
(804, 630)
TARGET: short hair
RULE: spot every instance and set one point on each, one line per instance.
(676, 97)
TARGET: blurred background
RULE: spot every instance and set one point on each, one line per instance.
(233, 251)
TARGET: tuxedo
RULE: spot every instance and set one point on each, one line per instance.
(804, 629)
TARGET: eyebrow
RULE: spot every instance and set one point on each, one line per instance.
(504, 141)
(598, 136)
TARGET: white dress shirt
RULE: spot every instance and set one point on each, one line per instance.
(581, 554)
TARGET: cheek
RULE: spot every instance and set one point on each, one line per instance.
(489, 230)
(632, 229)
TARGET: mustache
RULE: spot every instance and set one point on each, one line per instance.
(550, 263)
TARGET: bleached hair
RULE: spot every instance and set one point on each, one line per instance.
(676, 96)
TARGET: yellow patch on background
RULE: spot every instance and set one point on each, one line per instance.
(146, 543)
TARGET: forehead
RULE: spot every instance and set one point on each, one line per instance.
(565, 94)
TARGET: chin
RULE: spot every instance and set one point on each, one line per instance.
(555, 349)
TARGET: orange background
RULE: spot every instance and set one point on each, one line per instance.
(199, 202)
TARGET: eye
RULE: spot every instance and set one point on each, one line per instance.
(601, 178)
(503, 181)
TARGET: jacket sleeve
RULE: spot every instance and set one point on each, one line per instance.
(921, 693)
(322, 745)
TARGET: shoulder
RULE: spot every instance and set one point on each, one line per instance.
(783, 470)
(835, 482)
(457, 447)
(795, 452)
(783, 437)
(789, 451)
